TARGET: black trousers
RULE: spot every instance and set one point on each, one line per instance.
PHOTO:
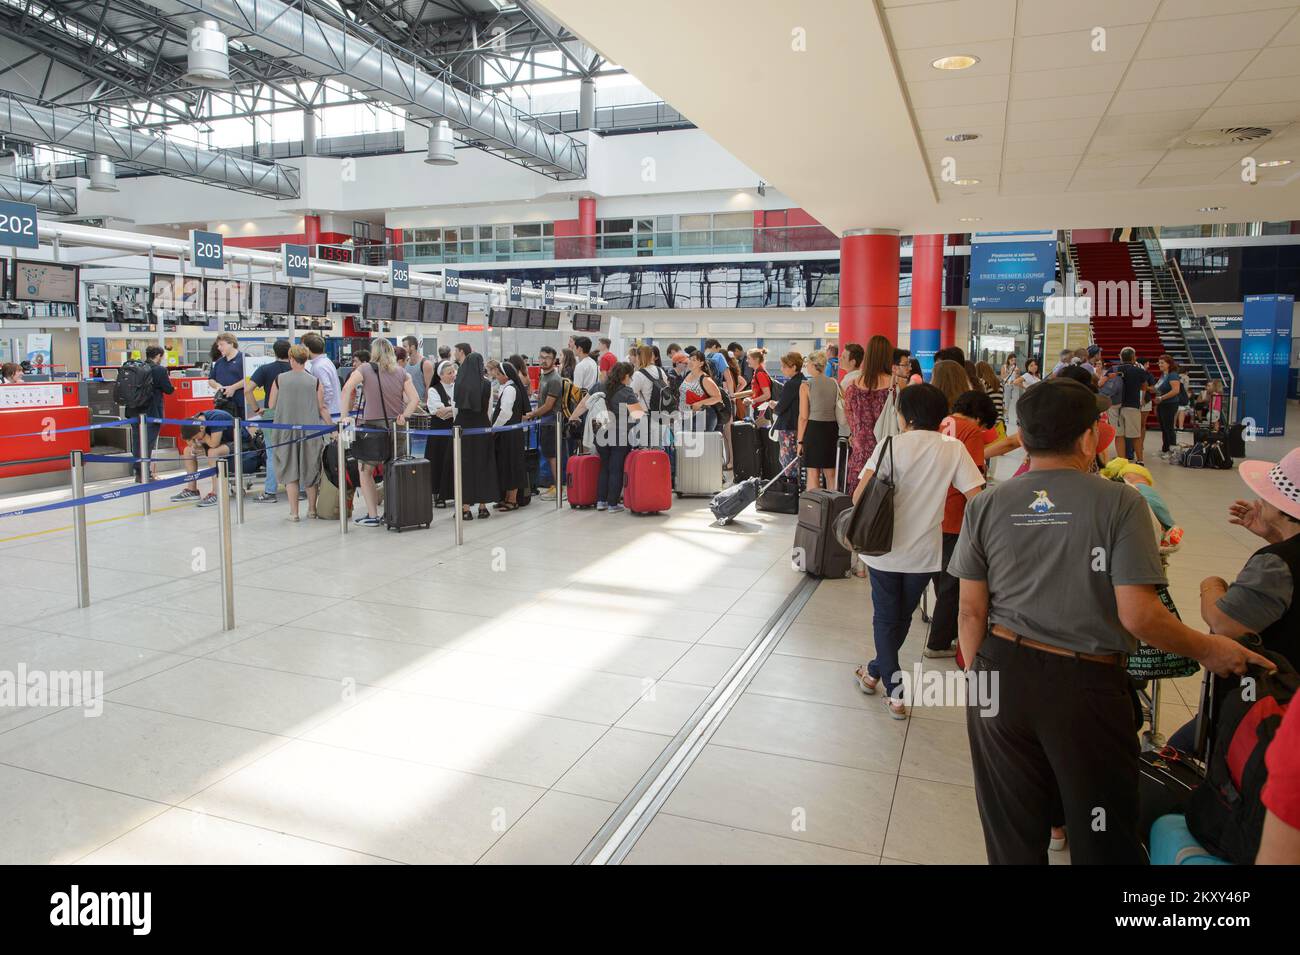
(1062, 726)
(947, 590)
(1165, 412)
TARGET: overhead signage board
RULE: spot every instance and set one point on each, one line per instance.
(548, 294)
(450, 283)
(1012, 272)
(399, 276)
(207, 249)
(18, 225)
(297, 261)
(514, 292)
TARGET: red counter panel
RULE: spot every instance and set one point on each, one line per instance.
(22, 421)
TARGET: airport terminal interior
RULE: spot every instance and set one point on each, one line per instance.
(578, 432)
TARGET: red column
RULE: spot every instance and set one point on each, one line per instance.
(948, 328)
(868, 286)
(587, 227)
(311, 230)
(927, 298)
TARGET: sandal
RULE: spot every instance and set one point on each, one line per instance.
(866, 682)
(483, 513)
(311, 515)
(466, 514)
(506, 506)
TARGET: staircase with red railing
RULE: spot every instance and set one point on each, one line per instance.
(1121, 318)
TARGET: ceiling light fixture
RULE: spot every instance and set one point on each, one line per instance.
(962, 137)
(965, 182)
(208, 60)
(442, 145)
(958, 61)
(1211, 208)
(1274, 162)
(970, 219)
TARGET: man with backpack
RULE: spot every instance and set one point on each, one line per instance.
(140, 388)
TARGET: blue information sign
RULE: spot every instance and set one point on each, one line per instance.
(207, 249)
(1265, 363)
(515, 293)
(18, 225)
(450, 282)
(399, 276)
(1010, 275)
(297, 261)
(548, 294)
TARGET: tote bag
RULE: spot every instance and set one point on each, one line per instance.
(371, 446)
(868, 527)
(887, 423)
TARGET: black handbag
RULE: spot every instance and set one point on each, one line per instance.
(868, 527)
(372, 446)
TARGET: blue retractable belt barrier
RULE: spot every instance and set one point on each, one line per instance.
(131, 491)
(84, 427)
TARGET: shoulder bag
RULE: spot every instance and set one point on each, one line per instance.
(868, 527)
(375, 447)
(887, 422)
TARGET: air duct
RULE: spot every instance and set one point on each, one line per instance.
(83, 133)
(59, 200)
(103, 175)
(209, 57)
(370, 65)
(442, 145)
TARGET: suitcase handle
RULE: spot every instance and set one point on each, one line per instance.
(780, 474)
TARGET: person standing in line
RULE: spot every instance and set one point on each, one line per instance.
(390, 396)
(1058, 578)
(162, 385)
(625, 411)
(264, 377)
(988, 382)
(586, 373)
(1170, 394)
(323, 369)
(438, 447)
(1136, 381)
(227, 376)
(297, 398)
(922, 464)
(819, 432)
(760, 384)
(702, 395)
(902, 364)
(550, 388)
(785, 416)
(607, 358)
(1067, 357)
(950, 378)
(647, 376)
(864, 399)
(833, 361)
(11, 373)
(509, 409)
(473, 400)
(420, 368)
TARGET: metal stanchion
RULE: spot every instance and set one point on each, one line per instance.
(559, 460)
(79, 531)
(456, 485)
(343, 482)
(144, 463)
(239, 471)
(227, 558)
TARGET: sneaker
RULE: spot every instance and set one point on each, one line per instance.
(365, 520)
(302, 495)
(602, 506)
(209, 501)
(938, 654)
(616, 508)
(188, 494)
(266, 497)
(548, 494)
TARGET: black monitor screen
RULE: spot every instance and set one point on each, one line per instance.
(272, 298)
(407, 309)
(536, 318)
(457, 313)
(499, 318)
(550, 320)
(433, 311)
(225, 297)
(377, 307)
(518, 318)
(310, 302)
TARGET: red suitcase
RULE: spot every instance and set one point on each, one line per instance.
(647, 481)
(582, 474)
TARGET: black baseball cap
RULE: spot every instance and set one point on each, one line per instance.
(1053, 413)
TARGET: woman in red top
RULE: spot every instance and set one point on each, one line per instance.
(760, 382)
(972, 413)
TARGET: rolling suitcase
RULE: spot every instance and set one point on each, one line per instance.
(769, 453)
(699, 463)
(744, 448)
(581, 475)
(647, 481)
(727, 505)
(815, 547)
(1172, 844)
(408, 495)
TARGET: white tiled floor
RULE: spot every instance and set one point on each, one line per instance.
(393, 698)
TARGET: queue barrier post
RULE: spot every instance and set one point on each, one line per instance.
(345, 495)
(456, 485)
(227, 556)
(79, 530)
(559, 460)
(239, 471)
(145, 457)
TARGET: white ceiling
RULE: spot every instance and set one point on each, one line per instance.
(853, 125)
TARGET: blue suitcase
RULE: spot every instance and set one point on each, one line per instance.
(1172, 844)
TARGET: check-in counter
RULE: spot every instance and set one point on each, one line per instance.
(191, 396)
(40, 410)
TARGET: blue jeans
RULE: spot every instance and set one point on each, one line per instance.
(894, 598)
(609, 486)
(151, 436)
(271, 485)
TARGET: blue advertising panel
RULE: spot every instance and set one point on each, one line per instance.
(18, 225)
(1011, 273)
(207, 249)
(297, 261)
(924, 343)
(1264, 363)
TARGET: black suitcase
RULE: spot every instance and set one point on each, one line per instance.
(744, 451)
(769, 453)
(408, 490)
(1236, 441)
(727, 504)
(814, 538)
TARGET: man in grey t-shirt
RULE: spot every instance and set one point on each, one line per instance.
(550, 388)
(1058, 572)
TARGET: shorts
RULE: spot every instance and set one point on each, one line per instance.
(1132, 421)
(546, 440)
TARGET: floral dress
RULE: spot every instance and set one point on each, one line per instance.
(862, 407)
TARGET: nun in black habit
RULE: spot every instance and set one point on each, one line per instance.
(472, 398)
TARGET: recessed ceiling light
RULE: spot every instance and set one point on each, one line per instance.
(1274, 162)
(965, 182)
(970, 219)
(1211, 208)
(959, 61)
(962, 137)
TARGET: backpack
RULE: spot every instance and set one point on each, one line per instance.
(1226, 813)
(134, 387)
(777, 388)
(570, 396)
(1114, 390)
(662, 397)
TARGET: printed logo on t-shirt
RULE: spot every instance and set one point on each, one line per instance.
(1042, 503)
